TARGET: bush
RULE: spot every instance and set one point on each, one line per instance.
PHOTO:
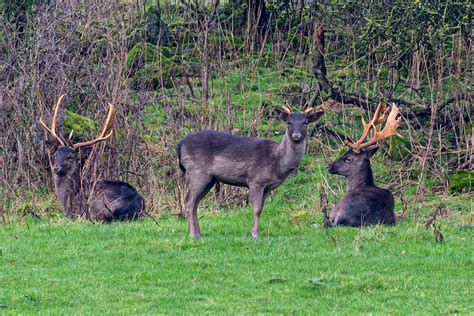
(461, 181)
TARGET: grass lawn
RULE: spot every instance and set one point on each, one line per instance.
(57, 266)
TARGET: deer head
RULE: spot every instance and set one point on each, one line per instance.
(298, 122)
(66, 155)
(355, 162)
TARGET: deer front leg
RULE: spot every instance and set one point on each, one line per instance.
(191, 207)
(257, 198)
(199, 186)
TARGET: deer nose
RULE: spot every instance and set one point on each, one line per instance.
(330, 168)
(296, 135)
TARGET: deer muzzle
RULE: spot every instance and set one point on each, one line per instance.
(59, 170)
(296, 136)
(330, 168)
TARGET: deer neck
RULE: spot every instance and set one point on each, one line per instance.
(68, 190)
(289, 154)
(360, 179)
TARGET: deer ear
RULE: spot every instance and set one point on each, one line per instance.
(84, 152)
(51, 147)
(370, 151)
(281, 114)
(314, 116)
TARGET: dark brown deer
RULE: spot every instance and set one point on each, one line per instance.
(108, 200)
(364, 203)
(259, 164)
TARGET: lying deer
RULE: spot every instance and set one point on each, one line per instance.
(109, 200)
(259, 164)
(364, 203)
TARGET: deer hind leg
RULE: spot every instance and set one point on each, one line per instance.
(101, 209)
(199, 186)
(257, 198)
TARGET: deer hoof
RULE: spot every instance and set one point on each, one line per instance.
(254, 235)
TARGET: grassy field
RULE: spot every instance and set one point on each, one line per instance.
(60, 267)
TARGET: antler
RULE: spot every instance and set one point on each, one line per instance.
(381, 116)
(308, 110)
(54, 122)
(286, 109)
(106, 130)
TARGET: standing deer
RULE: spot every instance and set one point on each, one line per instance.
(259, 164)
(109, 200)
(364, 203)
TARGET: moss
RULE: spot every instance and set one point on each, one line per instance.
(152, 66)
(183, 34)
(170, 53)
(237, 41)
(141, 53)
(227, 39)
(155, 75)
(461, 181)
(82, 126)
(146, 53)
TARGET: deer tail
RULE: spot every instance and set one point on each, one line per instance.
(178, 151)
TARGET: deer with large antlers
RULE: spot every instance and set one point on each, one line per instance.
(259, 164)
(107, 200)
(364, 203)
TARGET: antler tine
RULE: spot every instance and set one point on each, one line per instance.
(376, 119)
(384, 111)
(69, 138)
(54, 122)
(106, 130)
(308, 110)
(389, 130)
(110, 121)
(286, 109)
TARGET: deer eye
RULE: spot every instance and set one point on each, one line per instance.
(348, 159)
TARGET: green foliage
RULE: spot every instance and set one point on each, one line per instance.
(399, 148)
(141, 53)
(228, 39)
(461, 181)
(146, 53)
(155, 75)
(406, 24)
(16, 10)
(152, 66)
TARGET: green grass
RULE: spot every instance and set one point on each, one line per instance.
(57, 266)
